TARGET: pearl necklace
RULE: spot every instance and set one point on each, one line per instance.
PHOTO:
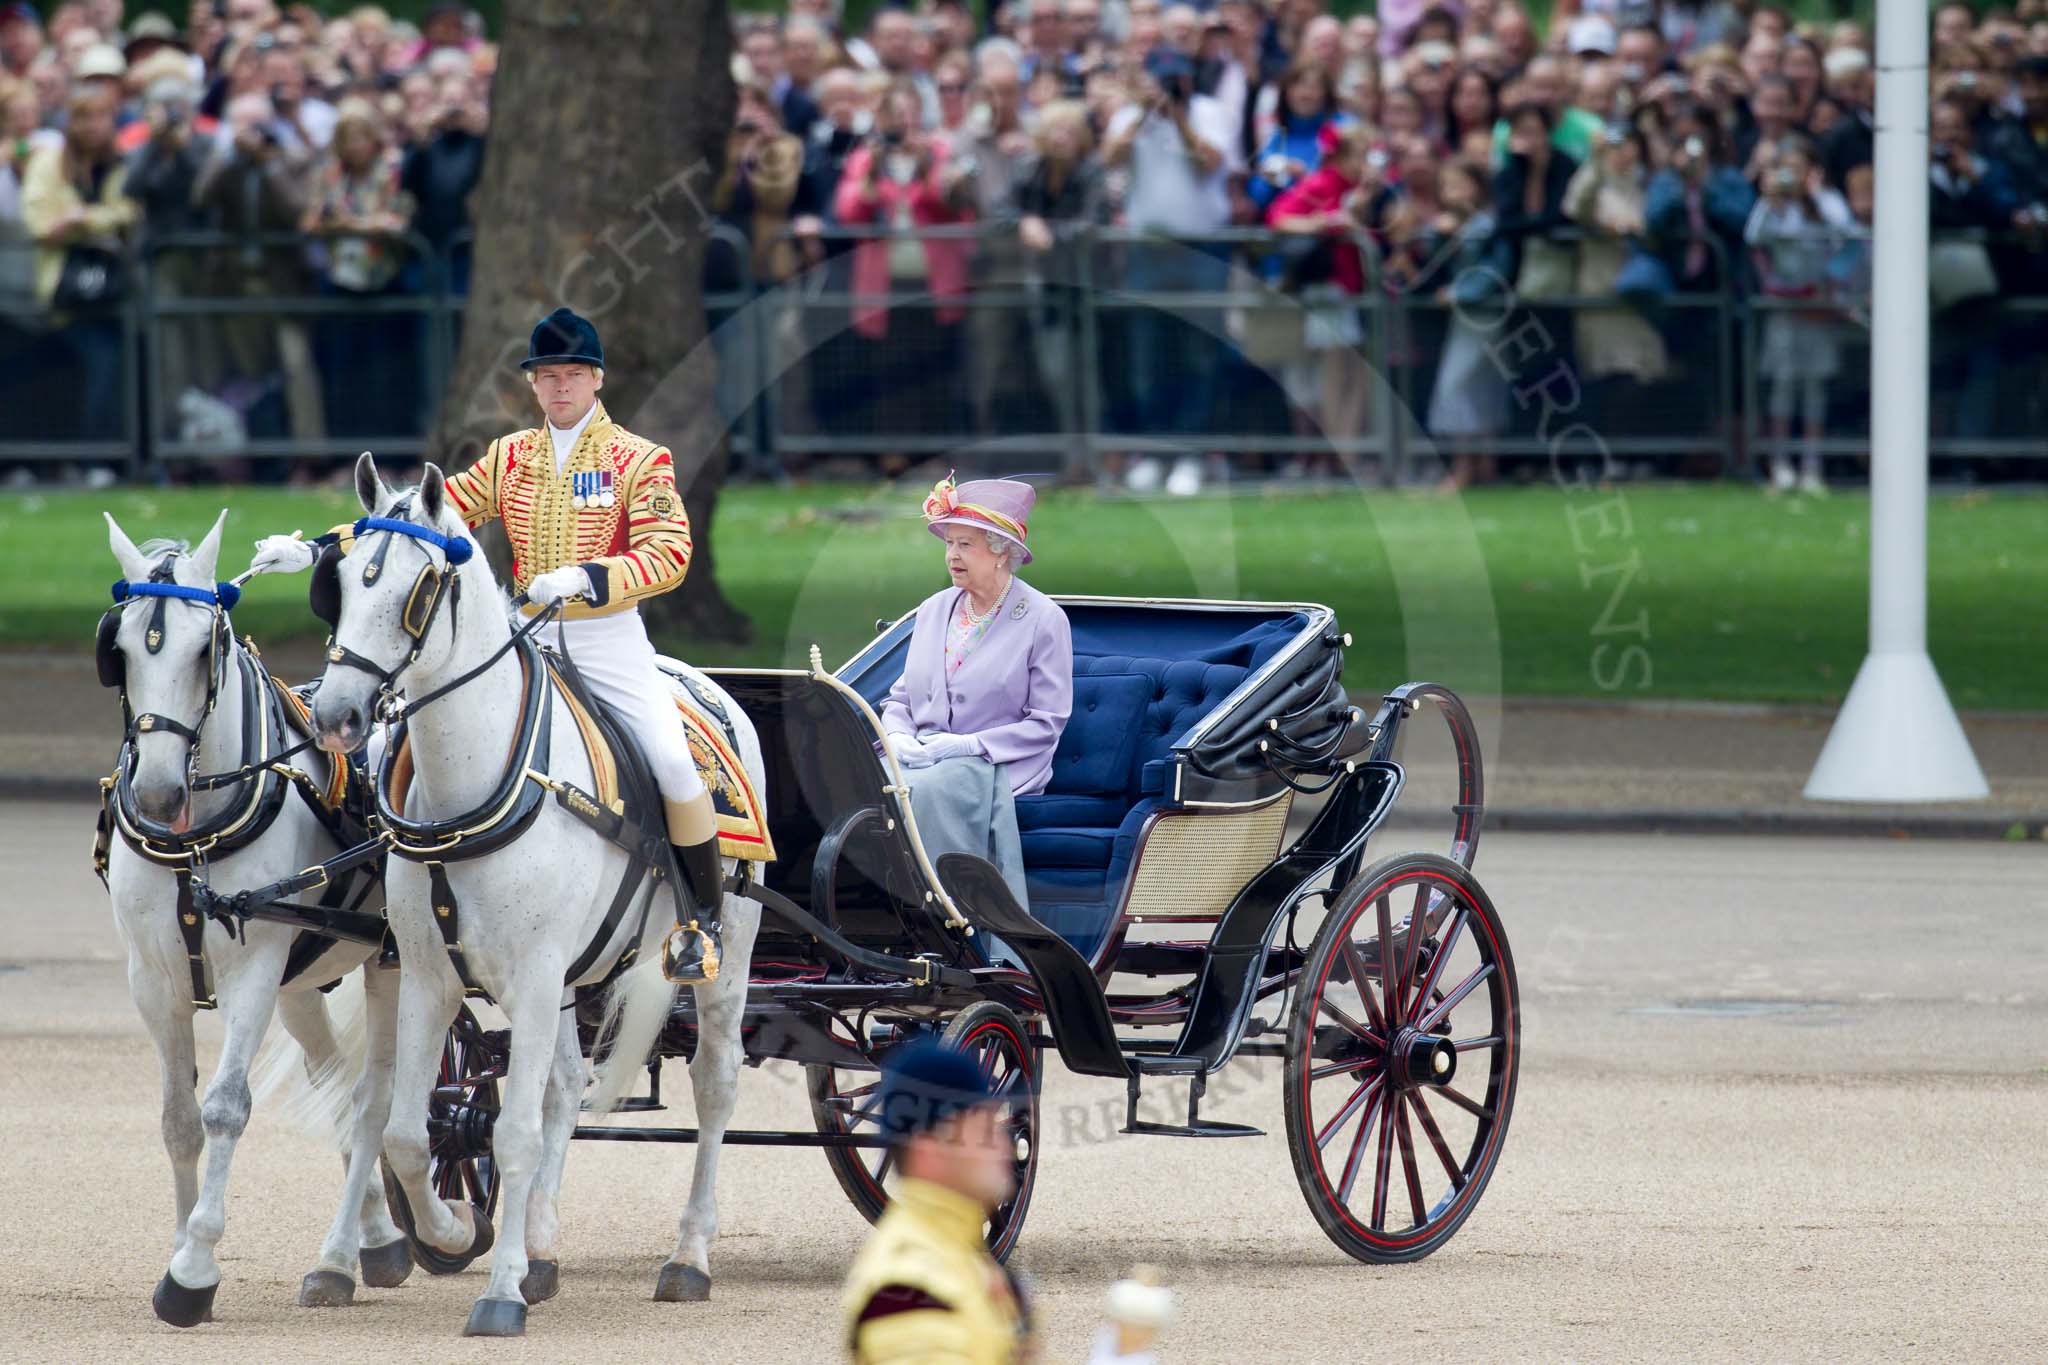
(967, 606)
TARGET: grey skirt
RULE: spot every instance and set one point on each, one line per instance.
(964, 805)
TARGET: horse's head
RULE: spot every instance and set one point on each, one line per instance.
(391, 600)
(165, 653)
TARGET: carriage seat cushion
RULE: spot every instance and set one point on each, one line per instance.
(1108, 776)
(1101, 737)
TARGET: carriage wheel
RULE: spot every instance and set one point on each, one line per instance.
(1400, 1080)
(844, 1101)
(461, 1112)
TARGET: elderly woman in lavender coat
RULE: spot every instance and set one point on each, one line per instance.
(988, 684)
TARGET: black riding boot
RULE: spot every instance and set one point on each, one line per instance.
(691, 953)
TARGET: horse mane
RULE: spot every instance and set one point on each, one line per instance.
(154, 550)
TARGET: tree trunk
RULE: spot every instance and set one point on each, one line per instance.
(609, 121)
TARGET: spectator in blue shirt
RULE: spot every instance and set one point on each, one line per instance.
(1308, 101)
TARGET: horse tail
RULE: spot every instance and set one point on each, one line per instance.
(634, 1013)
(318, 1100)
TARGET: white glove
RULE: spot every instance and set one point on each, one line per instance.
(559, 585)
(908, 751)
(942, 746)
(283, 554)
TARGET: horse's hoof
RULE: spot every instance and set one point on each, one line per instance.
(182, 1307)
(679, 1283)
(387, 1266)
(496, 1318)
(326, 1289)
(431, 1258)
(543, 1280)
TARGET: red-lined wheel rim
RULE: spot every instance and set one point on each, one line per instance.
(1006, 1059)
(848, 1101)
(1392, 1159)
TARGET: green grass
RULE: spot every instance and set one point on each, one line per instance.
(1728, 595)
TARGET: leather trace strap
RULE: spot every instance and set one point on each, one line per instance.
(192, 929)
(448, 918)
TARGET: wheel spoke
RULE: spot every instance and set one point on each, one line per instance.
(1358, 1148)
(1361, 978)
(1329, 1130)
(1341, 1068)
(1417, 931)
(1453, 996)
(1472, 1107)
(1408, 1164)
(1385, 911)
(1436, 1139)
(1325, 1004)
(882, 1170)
(1474, 1044)
(1379, 1183)
(1436, 963)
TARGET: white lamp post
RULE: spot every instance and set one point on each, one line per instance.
(1897, 737)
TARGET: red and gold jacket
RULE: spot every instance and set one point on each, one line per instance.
(631, 533)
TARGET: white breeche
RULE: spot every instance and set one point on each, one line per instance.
(616, 659)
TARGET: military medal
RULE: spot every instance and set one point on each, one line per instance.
(591, 488)
(578, 482)
(605, 496)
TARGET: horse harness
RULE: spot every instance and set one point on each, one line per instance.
(524, 787)
(431, 587)
(267, 778)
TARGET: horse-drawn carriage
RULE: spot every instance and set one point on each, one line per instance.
(1203, 835)
(1195, 869)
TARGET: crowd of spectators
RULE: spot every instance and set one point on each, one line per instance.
(317, 142)
(1603, 167)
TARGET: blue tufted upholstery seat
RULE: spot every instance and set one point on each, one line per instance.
(1110, 772)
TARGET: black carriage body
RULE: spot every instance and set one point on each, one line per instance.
(1197, 726)
(1212, 778)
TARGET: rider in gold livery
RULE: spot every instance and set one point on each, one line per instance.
(925, 1288)
(597, 525)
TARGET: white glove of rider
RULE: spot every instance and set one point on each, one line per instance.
(283, 554)
(908, 751)
(940, 747)
(559, 585)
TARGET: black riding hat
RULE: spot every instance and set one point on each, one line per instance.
(563, 338)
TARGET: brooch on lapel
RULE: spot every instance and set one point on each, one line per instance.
(1017, 612)
(591, 488)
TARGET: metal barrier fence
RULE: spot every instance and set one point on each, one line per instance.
(878, 342)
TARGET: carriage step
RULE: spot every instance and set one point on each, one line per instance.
(1199, 1128)
(1196, 1126)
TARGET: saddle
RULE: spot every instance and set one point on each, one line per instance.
(623, 774)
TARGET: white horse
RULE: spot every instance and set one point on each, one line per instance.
(526, 911)
(190, 687)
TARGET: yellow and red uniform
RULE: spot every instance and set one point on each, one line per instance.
(925, 1290)
(635, 548)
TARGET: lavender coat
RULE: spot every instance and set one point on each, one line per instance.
(1014, 693)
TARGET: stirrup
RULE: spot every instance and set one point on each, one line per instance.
(690, 955)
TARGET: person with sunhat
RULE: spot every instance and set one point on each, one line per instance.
(925, 1288)
(988, 682)
(597, 525)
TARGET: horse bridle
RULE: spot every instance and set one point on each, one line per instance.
(430, 589)
(113, 670)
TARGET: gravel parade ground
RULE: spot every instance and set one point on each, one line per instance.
(1782, 1098)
